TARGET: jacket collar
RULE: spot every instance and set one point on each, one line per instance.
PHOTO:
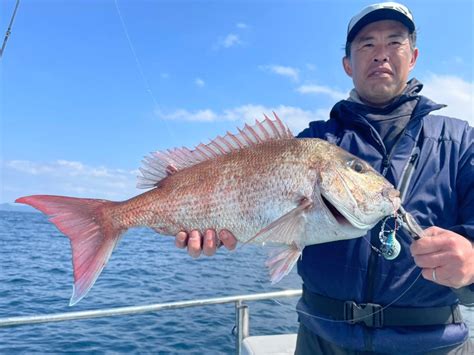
(411, 90)
(352, 110)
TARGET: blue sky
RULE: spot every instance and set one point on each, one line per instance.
(90, 87)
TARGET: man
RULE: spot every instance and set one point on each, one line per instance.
(380, 305)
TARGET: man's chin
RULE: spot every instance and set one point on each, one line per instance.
(381, 95)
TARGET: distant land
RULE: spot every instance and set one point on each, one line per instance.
(13, 207)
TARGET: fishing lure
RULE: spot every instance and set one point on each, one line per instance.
(390, 246)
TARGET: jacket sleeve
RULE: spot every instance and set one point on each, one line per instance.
(316, 129)
(309, 132)
(465, 185)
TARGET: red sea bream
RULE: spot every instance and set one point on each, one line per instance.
(262, 184)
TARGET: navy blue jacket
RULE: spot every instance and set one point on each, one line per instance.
(440, 193)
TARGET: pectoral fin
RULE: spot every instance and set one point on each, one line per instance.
(287, 229)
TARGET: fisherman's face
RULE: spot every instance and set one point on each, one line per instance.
(381, 60)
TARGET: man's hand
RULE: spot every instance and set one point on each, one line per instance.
(206, 244)
(446, 258)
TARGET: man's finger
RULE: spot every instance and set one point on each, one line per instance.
(227, 239)
(209, 244)
(194, 244)
(430, 243)
(436, 275)
(181, 240)
(432, 260)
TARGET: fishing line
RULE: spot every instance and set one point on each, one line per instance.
(9, 29)
(135, 56)
(373, 247)
(364, 317)
(262, 284)
(139, 66)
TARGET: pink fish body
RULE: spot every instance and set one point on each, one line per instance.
(262, 184)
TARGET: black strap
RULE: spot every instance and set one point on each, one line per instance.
(376, 316)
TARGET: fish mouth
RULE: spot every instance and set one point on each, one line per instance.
(338, 216)
(343, 219)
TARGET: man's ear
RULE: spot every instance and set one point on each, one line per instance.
(346, 63)
(413, 58)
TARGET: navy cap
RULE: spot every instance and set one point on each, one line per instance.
(377, 12)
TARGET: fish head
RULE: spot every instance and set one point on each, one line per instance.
(355, 195)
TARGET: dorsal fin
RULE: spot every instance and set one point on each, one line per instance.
(161, 164)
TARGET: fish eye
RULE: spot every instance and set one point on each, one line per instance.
(357, 166)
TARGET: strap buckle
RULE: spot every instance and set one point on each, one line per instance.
(370, 314)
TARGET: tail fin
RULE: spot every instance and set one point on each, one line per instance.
(91, 230)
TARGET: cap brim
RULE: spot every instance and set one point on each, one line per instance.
(378, 15)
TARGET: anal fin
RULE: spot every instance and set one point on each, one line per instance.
(281, 261)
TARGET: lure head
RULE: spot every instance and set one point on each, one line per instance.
(392, 250)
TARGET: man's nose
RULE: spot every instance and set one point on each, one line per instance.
(381, 54)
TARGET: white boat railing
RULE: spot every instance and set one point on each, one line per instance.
(241, 312)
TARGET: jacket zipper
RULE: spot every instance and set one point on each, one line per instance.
(407, 173)
(405, 179)
(404, 182)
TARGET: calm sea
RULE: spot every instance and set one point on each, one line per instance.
(146, 268)
(36, 278)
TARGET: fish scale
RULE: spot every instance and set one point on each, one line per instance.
(241, 190)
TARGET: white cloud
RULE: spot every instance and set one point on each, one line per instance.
(230, 40)
(28, 167)
(285, 71)
(453, 91)
(64, 177)
(325, 90)
(206, 115)
(295, 117)
(199, 82)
